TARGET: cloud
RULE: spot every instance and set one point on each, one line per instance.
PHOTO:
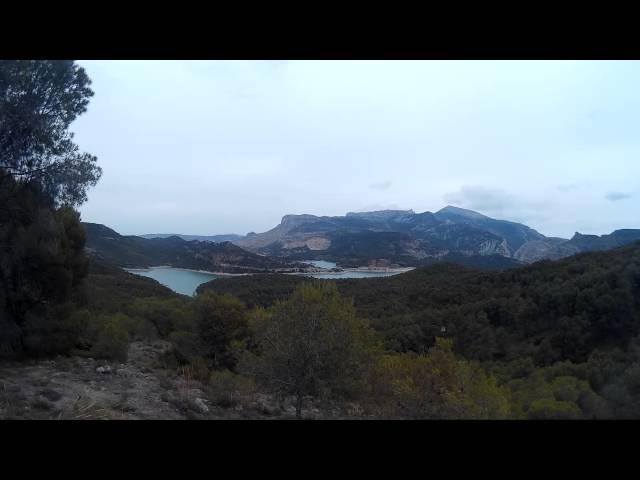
(381, 186)
(377, 207)
(480, 198)
(615, 196)
(497, 203)
(569, 187)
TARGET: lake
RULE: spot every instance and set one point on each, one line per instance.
(177, 279)
(186, 282)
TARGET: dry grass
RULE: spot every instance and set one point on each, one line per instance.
(85, 408)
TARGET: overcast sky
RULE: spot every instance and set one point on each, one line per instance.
(231, 146)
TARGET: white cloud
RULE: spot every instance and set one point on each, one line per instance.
(381, 186)
(616, 196)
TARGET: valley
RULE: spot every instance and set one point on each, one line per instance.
(358, 245)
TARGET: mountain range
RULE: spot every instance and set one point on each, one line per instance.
(386, 238)
(407, 238)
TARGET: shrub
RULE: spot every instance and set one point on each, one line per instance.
(553, 409)
(166, 314)
(55, 331)
(140, 328)
(112, 341)
(186, 346)
(200, 369)
(226, 388)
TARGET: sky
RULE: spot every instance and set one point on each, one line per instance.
(214, 147)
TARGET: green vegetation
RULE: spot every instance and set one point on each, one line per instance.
(437, 385)
(311, 345)
(562, 337)
(111, 340)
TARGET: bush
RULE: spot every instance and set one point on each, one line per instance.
(200, 369)
(140, 328)
(226, 388)
(166, 314)
(553, 409)
(437, 385)
(186, 346)
(112, 341)
(55, 331)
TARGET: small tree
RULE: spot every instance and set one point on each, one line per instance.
(221, 328)
(312, 344)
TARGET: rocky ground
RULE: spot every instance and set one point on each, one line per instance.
(76, 388)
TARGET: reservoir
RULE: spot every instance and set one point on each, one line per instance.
(177, 279)
(185, 281)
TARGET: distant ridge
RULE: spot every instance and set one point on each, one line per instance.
(229, 237)
(135, 251)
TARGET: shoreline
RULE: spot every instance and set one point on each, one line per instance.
(380, 269)
(224, 274)
(162, 267)
(391, 271)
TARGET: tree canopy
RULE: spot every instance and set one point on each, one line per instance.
(38, 101)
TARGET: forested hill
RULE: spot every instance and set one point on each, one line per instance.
(549, 311)
(134, 251)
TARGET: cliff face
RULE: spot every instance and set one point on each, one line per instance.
(556, 248)
(535, 250)
(260, 240)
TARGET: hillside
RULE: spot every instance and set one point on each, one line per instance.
(562, 336)
(132, 251)
(550, 311)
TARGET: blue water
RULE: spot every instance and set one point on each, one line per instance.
(187, 281)
(339, 275)
(321, 263)
(180, 281)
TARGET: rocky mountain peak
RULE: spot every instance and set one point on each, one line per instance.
(291, 221)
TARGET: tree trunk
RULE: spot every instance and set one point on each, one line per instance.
(299, 406)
